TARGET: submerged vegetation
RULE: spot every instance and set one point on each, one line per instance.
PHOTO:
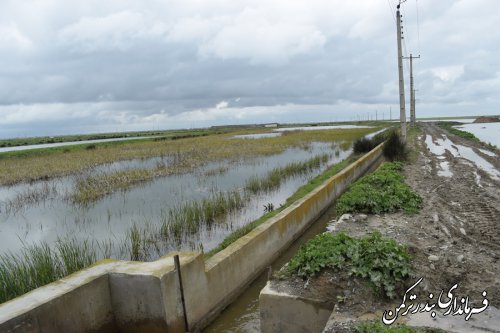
(300, 193)
(383, 191)
(29, 196)
(276, 176)
(380, 260)
(32, 165)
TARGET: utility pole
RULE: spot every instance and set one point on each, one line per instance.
(412, 91)
(402, 112)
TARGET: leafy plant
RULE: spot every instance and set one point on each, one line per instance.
(380, 260)
(382, 191)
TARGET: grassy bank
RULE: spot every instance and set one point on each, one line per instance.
(448, 126)
(44, 164)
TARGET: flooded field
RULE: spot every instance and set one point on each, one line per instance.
(193, 208)
(486, 132)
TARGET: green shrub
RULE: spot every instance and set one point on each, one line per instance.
(394, 148)
(363, 145)
(380, 260)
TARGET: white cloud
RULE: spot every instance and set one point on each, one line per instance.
(12, 39)
(251, 36)
(118, 31)
(222, 105)
(448, 73)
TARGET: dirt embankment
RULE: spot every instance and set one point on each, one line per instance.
(482, 120)
(454, 239)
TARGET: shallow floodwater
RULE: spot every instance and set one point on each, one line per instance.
(487, 132)
(440, 146)
(24, 221)
(318, 128)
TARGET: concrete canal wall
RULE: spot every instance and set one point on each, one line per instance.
(121, 296)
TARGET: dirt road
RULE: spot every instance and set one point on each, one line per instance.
(454, 239)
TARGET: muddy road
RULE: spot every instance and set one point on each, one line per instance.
(454, 239)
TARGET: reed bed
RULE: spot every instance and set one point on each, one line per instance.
(49, 163)
(38, 265)
(185, 221)
(278, 175)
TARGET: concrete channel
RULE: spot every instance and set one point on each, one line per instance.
(122, 296)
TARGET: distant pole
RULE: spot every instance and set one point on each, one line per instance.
(412, 92)
(402, 112)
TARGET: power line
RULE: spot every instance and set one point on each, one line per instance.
(418, 26)
(391, 10)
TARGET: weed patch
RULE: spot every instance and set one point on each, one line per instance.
(380, 260)
(383, 191)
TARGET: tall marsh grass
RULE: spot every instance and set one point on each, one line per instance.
(276, 176)
(38, 265)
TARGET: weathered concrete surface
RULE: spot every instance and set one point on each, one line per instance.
(282, 312)
(274, 317)
(78, 303)
(125, 296)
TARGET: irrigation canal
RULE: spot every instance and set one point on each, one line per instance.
(243, 314)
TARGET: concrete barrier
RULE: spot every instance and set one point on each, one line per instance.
(121, 296)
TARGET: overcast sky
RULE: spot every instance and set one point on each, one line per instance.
(85, 66)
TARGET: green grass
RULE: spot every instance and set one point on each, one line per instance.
(39, 265)
(383, 191)
(377, 327)
(380, 260)
(300, 193)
